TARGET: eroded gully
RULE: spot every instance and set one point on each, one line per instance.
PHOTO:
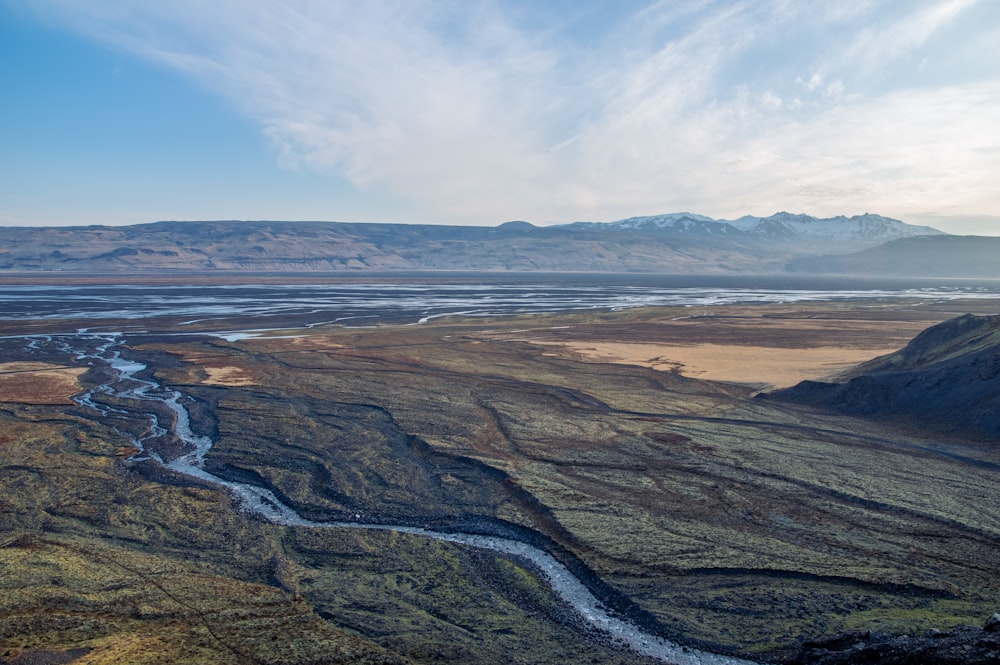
(124, 384)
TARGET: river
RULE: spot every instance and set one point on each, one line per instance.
(106, 348)
(411, 300)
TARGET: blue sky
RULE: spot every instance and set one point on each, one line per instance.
(468, 112)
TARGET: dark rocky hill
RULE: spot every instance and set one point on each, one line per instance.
(921, 256)
(947, 379)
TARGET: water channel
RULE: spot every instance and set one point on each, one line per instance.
(125, 385)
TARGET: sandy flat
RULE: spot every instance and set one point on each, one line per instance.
(39, 383)
(228, 376)
(218, 371)
(777, 367)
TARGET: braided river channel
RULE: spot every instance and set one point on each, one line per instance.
(128, 388)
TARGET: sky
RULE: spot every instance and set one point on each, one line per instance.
(481, 112)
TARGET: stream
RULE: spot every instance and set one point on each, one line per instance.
(105, 348)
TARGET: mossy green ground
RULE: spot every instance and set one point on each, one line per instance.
(96, 558)
(739, 525)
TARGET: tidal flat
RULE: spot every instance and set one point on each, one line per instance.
(718, 520)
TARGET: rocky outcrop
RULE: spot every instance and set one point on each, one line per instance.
(963, 645)
(947, 379)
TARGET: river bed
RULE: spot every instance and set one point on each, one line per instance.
(355, 303)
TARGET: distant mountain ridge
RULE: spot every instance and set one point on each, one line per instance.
(678, 243)
(782, 226)
(921, 256)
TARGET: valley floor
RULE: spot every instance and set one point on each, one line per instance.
(629, 444)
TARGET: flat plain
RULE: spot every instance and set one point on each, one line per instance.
(630, 444)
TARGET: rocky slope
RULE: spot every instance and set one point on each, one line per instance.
(681, 243)
(947, 379)
(962, 645)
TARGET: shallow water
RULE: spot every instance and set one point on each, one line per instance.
(412, 301)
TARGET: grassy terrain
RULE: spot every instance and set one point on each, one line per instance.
(736, 524)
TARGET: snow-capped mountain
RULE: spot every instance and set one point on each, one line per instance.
(867, 227)
(860, 230)
(677, 221)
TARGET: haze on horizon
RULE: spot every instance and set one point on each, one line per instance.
(453, 112)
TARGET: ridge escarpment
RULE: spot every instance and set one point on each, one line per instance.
(946, 379)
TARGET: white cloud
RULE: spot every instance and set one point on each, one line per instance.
(875, 45)
(718, 107)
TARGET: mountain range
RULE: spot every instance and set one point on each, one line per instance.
(798, 231)
(677, 243)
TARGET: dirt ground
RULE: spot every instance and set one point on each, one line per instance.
(38, 383)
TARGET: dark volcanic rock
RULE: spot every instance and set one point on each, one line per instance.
(964, 645)
(992, 624)
(946, 379)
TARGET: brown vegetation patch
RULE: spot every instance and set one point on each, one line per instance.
(219, 370)
(38, 383)
(229, 376)
(312, 342)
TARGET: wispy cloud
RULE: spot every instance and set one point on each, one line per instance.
(485, 111)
